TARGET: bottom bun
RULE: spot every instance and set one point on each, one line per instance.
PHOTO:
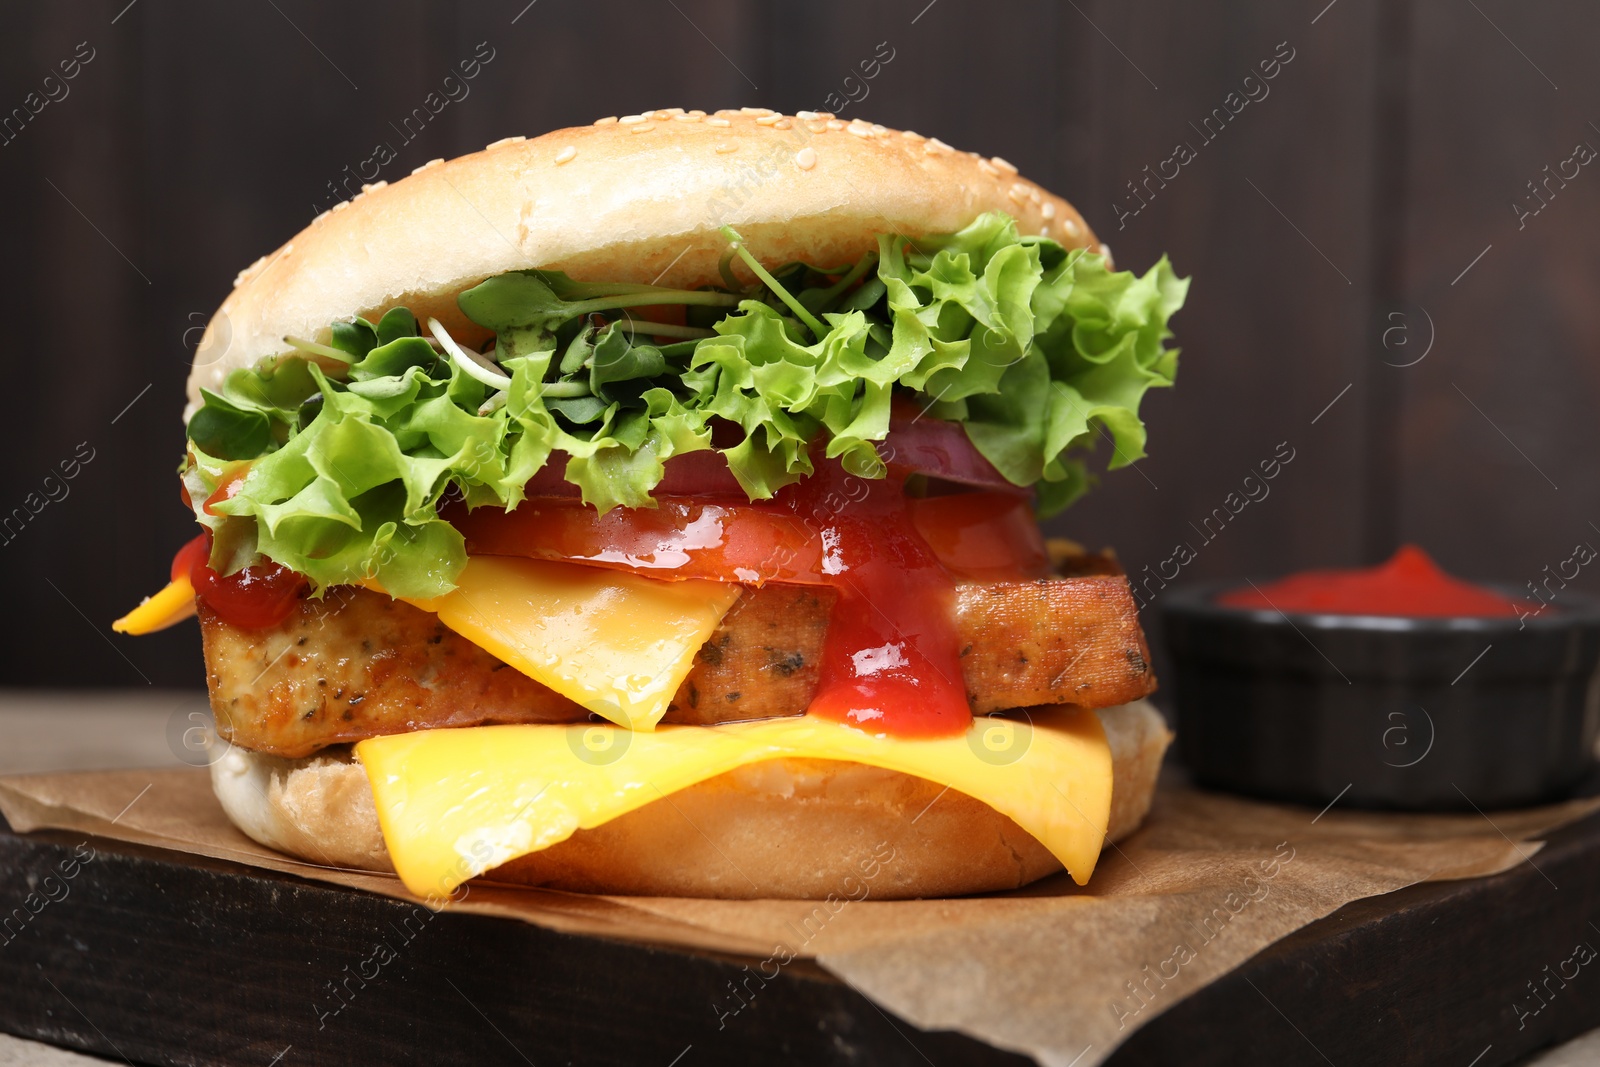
(784, 828)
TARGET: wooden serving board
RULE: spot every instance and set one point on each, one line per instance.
(166, 958)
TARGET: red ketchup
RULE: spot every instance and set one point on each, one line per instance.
(261, 595)
(891, 661)
(1410, 585)
(226, 489)
(193, 554)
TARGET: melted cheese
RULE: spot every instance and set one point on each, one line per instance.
(167, 608)
(616, 643)
(454, 804)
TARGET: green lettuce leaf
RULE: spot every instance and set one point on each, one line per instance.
(1040, 352)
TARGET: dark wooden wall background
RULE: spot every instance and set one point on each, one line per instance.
(1346, 203)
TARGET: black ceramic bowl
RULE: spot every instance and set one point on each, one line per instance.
(1385, 712)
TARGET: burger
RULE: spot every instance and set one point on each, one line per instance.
(650, 508)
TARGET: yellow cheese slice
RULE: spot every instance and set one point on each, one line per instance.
(456, 803)
(170, 606)
(616, 643)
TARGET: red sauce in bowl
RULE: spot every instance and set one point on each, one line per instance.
(1409, 585)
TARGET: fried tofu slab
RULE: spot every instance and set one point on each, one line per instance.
(357, 664)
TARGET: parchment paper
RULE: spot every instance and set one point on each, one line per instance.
(1061, 973)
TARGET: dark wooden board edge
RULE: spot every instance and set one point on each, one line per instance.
(1441, 972)
(156, 959)
(164, 960)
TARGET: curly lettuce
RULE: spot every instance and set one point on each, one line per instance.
(353, 446)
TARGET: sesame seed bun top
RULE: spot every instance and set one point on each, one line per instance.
(639, 199)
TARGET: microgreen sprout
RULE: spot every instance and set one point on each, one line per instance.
(814, 324)
(471, 364)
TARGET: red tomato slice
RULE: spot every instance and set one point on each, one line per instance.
(681, 538)
(975, 535)
(988, 536)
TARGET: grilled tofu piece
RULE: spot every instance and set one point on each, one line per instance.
(357, 664)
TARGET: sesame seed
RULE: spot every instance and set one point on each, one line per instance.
(631, 120)
(1071, 226)
(768, 120)
(609, 120)
(1015, 194)
(759, 112)
(1044, 229)
(374, 187)
(1019, 192)
(879, 129)
(824, 114)
(503, 140)
(1105, 250)
(835, 124)
(690, 117)
(936, 145)
(1048, 210)
(912, 135)
(783, 124)
(724, 149)
(806, 158)
(566, 155)
(667, 113)
(697, 113)
(340, 206)
(806, 115)
(314, 221)
(1033, 195)
(644, 127)
(859, 131)
(988, 168)
(429, 163)
(726, 112)
(718, 122)
(1009, 168)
